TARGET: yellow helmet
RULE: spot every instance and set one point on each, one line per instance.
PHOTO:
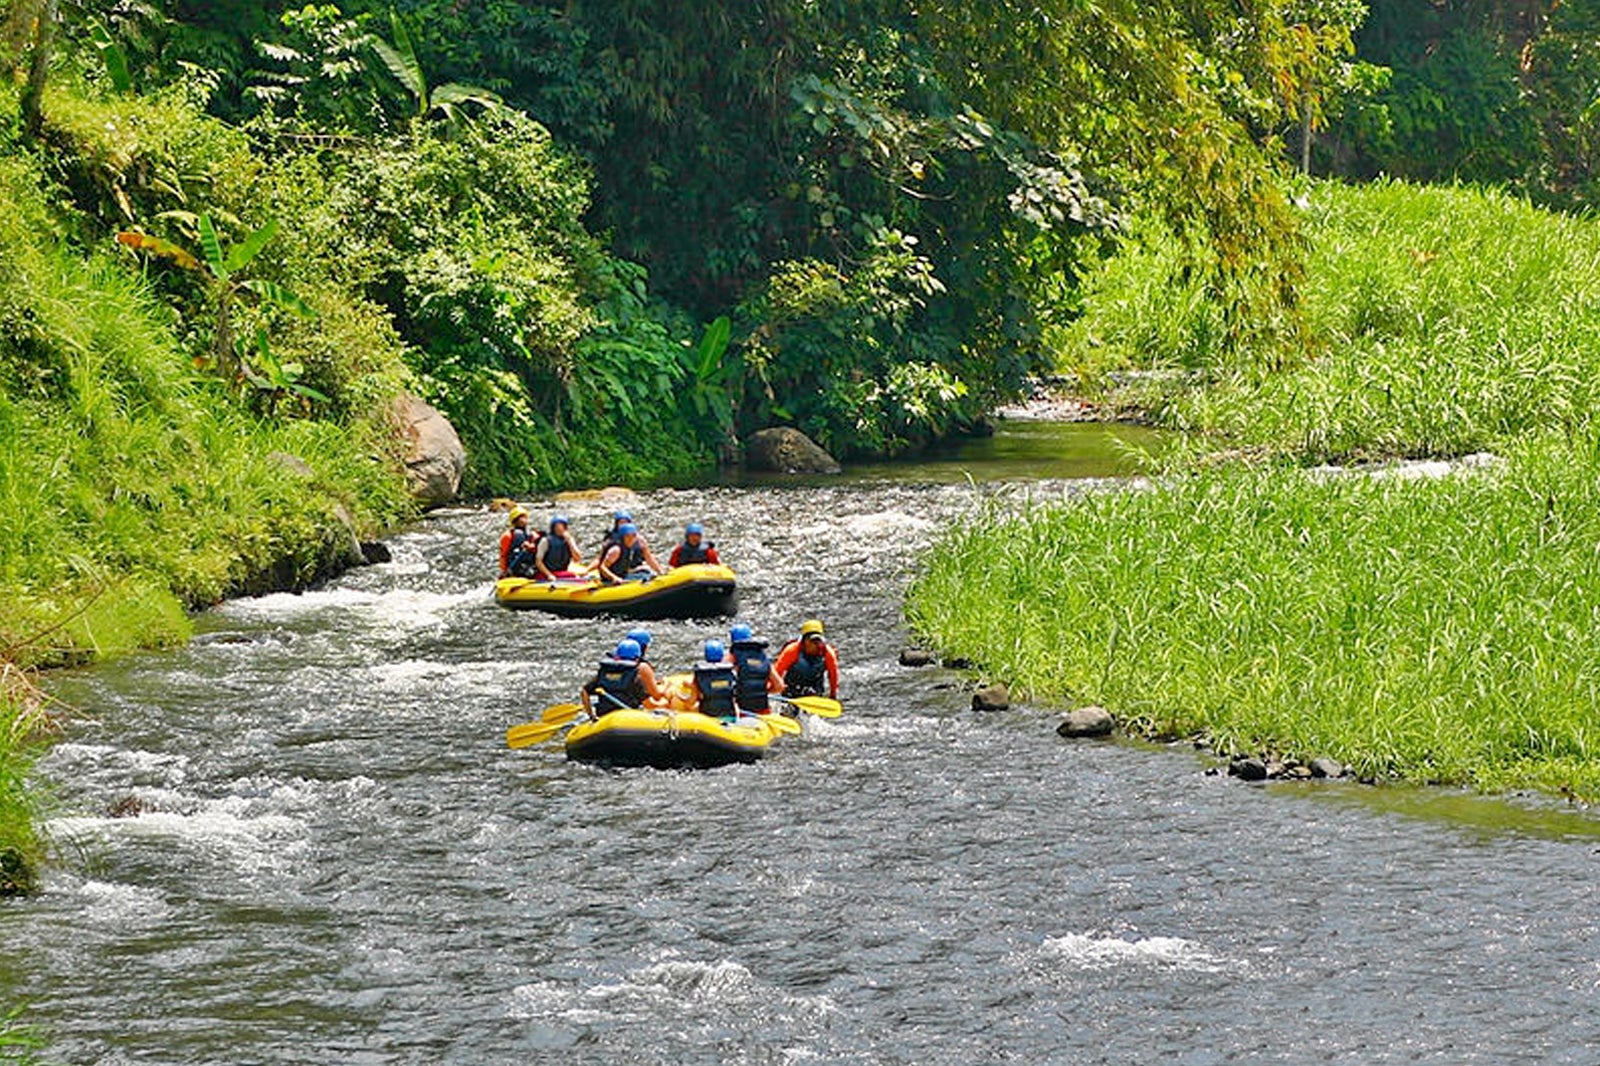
(811, 627)
(518, 512)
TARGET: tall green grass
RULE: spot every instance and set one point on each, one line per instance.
(1442, 321)
(1432, 630)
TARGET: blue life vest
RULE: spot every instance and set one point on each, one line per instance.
(523, 546)
(715, 682)
(690, 554)
(808, 676)
(752, 667)
(619, 679)
(628, 559)
(557, 554)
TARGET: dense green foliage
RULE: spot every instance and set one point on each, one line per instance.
(1441, 321)
(1435, 630)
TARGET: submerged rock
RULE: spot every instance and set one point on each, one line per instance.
(991, 698)
(916, 657)
(1326, 767)
(785, 450)
(1086, 722)
(126, 807)
(1248, 768)
(435, 459)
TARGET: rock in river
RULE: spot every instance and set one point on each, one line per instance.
(1326, 767)
(991, 698)
(785, 450)
(435, 459)
(1086, 722)
(1248, 768)
(916, 657)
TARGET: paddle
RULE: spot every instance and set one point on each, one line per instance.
(775, 722)
(520, 736)
(821, 706)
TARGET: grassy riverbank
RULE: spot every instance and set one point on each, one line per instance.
(1440, 320)
(1432, 630)
(1428, 630)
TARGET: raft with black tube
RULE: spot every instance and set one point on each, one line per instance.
(669, 740)
(700, 590)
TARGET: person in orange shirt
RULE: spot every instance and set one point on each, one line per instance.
(808, 664)
(512, 540)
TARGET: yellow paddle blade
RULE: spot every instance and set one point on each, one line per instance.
(779, 724)
(821, 706)
(561, 712)
(520, 736)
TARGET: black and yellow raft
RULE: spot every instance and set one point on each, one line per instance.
(669, 740)
(696, 591)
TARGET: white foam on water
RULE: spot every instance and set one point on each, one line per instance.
(1085, 951)
(671, 986)
(122, 905)
(893, 725)
(235, 829)
(411, 609)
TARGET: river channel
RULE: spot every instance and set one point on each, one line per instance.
(336, 858)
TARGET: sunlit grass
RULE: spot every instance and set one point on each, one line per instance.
(1432, 630)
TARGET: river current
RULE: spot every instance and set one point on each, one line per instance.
(336, 859)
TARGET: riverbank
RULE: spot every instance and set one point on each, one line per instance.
(1430, 630)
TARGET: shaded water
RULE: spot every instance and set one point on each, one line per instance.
(340, 861)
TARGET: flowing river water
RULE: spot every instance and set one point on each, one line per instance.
(336, 859)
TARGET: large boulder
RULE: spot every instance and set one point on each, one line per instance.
(435, 459)
(785, 450)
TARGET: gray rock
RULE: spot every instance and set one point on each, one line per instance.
(991, 698)
(435, 459)
(1248, 769)
(785, 450)
(376, 551)
(1086, 722)
(916, 657)
(1326, 767)
(1299, 773)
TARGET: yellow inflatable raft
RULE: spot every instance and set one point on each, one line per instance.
(669, 740)
(697, 591)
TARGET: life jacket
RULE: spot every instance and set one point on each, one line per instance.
(618, 678)
(716, 683)
(628, 559)
(557, 554)
(752, 667)
(523, 552)
(809, 674)
(690, 554)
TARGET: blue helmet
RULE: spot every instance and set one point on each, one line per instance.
(627, 528)
(715, 652)
(559, 520)
(622, 516)
(694, 529)
(628, 650)
(640, 637)
(740, 632)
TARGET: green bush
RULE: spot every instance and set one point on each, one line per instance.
(1441, 320)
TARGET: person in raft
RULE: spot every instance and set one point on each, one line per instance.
(630, 559)
(694, 548)
(715, 682)
(623, 681)
(557, 552)
(754, 674)
(618, 519)
(514, 560)
(808, 663)
(642, 636)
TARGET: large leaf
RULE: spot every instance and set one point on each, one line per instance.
(115, 59)
(211, 247)
(401, 59)
(241, 254)
(709, 355)
(144, 242)
(456, 93)
(279, 296)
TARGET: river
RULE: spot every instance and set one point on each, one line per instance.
(338, 860)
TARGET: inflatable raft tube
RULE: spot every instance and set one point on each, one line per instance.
(698, 591)
(668, 740)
